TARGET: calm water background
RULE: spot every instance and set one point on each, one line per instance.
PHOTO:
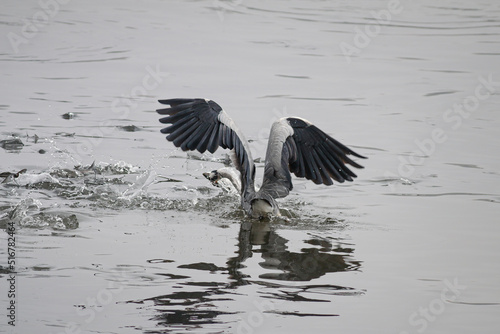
(142, 243)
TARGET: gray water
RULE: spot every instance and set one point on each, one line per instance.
(140, 242)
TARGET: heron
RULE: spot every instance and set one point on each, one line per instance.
(295, 146)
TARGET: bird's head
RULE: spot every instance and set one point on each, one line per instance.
(214, 176)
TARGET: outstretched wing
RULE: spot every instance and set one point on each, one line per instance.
(297, 146)
(202, 125)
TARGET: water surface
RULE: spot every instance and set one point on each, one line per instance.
(118, 232)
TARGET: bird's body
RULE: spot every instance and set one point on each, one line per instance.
(295, 145)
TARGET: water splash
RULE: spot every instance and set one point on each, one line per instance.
(140, 186)
(29, 213)
(120, 185)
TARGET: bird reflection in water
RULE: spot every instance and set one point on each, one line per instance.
(310, 263)
(194, 302)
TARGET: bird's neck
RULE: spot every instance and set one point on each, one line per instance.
(232, 176)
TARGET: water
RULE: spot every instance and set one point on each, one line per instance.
(118, 232)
